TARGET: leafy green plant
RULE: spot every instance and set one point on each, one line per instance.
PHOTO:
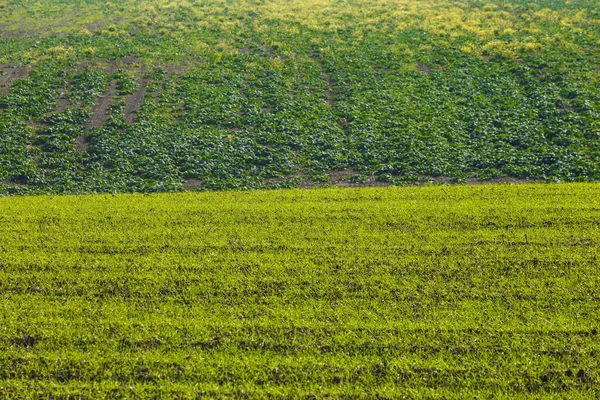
(276, 94)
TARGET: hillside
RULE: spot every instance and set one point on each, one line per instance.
(154, 95)
(428, 292)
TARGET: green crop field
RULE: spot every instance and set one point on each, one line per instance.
(487, 291)
(158, 95)
(434, 292)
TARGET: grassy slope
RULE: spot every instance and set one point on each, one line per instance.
(156, 95)
(423, 292)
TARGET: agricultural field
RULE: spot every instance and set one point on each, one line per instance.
(482, 291)
(158, 95)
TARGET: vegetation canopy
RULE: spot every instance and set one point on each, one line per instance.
(153, 95)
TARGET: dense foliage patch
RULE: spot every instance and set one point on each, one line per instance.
(161, 96)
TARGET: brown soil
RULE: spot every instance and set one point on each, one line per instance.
(424, 68)
(129, 60)
(134, 101)
(192, 183)
(10, 74)
(177, 70)
(330, 98)
(94, 26)
(344, 174)
(82, 144)
(38, 126)
(61, 105)
(99, 115)
(109, 67)
(266, 48)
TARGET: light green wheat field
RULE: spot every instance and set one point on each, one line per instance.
(422, 292)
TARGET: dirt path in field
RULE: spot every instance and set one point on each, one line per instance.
(99, 115)
(61, 104)
(424, 68)
(100, 108)
(82, 144)
(8, 75)
(134, 101)
(192, 183)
